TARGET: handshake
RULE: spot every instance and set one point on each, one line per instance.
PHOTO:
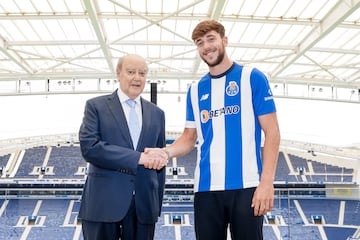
(154, 158)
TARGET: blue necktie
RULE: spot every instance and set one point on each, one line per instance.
(134, 125)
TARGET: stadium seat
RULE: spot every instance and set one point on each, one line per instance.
(176, 219)
(42, 170)
(78, 220)
(271, 218)
(301, 170)
(317, 219)
(175, 170)
(32, 219)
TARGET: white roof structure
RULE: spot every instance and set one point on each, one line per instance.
(305, 42)
(67, 46)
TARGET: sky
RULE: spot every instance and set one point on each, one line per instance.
(313, 121)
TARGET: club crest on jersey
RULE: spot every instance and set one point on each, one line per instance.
(232, 89)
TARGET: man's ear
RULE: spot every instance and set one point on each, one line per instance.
(225, 41)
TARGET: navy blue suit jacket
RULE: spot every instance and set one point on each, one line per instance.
(114, 173)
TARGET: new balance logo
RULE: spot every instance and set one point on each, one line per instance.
(204, 97)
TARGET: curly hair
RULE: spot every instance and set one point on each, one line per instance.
(205, 26)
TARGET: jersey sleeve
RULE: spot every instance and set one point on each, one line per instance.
(263, 99)
(190, 118)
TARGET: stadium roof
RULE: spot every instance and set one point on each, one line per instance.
(311, 42)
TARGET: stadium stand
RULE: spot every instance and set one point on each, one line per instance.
(70, 166)
(30, 161)
(35, 204)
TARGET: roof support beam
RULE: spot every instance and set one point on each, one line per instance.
(215, 10)
(100, 32)
(337, 15)
(354, 78)
(322, 67)
(156, 22)
(16, 58)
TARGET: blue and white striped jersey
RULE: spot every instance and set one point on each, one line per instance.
(224, 110)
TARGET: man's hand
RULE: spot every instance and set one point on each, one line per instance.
(153, 158)
(263, 199)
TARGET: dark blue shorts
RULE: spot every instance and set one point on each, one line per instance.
(216, 211)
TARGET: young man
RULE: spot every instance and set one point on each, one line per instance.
(226, 112)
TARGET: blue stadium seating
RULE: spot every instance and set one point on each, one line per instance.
(33, 157)
(66, 161)
(57, 218)
(55, 226)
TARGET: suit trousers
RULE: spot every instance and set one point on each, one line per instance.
(128, 228)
